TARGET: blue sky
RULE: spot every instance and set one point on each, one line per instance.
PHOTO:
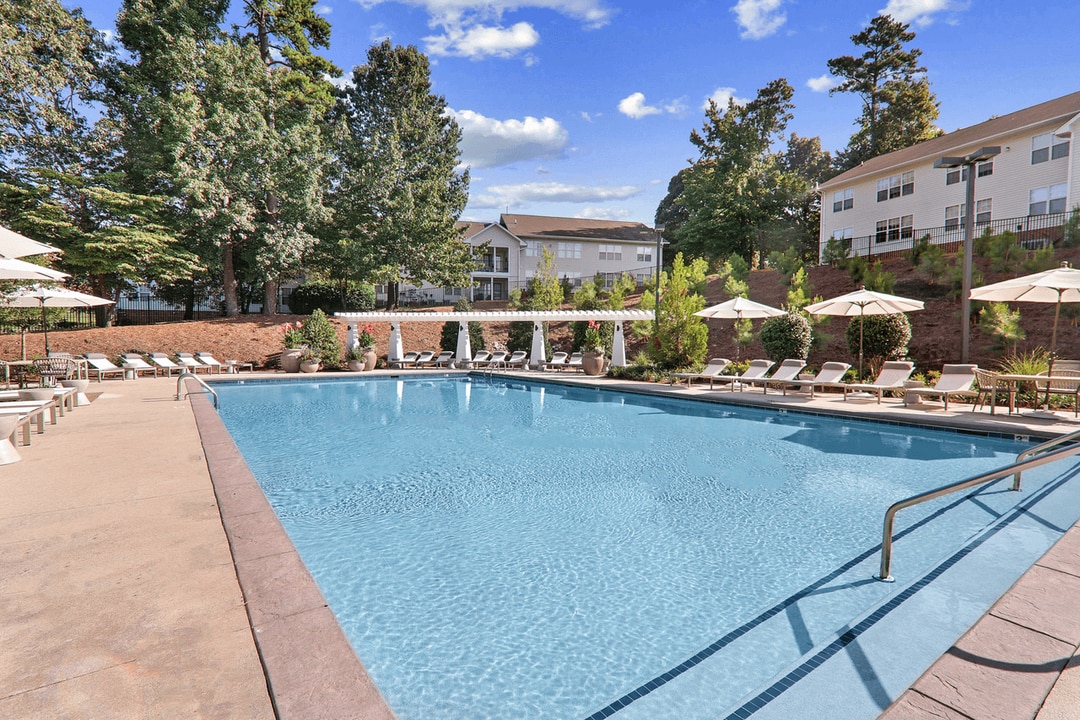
(583, 108)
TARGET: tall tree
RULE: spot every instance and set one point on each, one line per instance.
(398, 194)
(899, 109)
(805, 159)
(737, 187)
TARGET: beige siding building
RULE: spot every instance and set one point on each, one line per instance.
(887, 203)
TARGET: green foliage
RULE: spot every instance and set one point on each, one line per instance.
(1030, 363)
(738, 267)
(885, 337)
(856, 268)
(933, 265)
(681, 339)
(318, 334)
(786, 336)
(787, 262)
(1071, 235)
(1002, 324)
(448, 339)
(1003, 250)
(836, 252)
(878, 279)
(332, 297)
(1039, 260)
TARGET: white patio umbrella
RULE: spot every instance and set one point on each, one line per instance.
(50, 297)
(14, 245)
(740, 308)
(864, 302)
(1060, 285)
(12, 269)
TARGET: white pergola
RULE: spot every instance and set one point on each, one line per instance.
(537, 317)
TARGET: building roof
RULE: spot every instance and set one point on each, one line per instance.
(542, 226)
(961, 141)
(470, 227)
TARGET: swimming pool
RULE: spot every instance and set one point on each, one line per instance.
(508, 550)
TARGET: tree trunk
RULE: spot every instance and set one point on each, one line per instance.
(270, 297)
(228, 272)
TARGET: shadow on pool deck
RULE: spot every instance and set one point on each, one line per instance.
(122, 592)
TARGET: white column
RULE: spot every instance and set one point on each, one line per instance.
(395, 352)
(352, 339)
(464, 344)
(537, 358)
(618, 346)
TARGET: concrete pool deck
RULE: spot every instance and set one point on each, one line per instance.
(143, 576)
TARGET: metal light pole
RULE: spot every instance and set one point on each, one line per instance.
(659, 231)
(969, 161)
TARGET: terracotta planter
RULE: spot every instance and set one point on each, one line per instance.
(290, 360)
(370, 358)
(309, 366)
(592, 363)
(357, 365)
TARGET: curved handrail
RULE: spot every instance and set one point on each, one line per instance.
(1013, 469)
(1052, 443)
(189, 374)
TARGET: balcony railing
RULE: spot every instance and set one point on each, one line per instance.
(1032, 231)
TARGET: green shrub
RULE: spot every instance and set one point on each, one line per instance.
(836, 252)
(786, 336)
(332, 298)
(885, 337)
(320, 337)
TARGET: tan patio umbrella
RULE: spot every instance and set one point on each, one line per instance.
(864, 302)
(50, 297)
(14, 245)
(11, 269)
(1060, 285)
(740, 308)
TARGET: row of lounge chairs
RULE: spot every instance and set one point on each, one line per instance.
(957, 380)
(483, 359)
(22, 410)
(134, 364)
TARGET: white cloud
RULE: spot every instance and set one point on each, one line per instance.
(824, 83)
(324, 10)
(486, 142)
(634, 106)
(594, 13)
(759, 18)
(498, 196)
(594, 212)
(722, 96)
(481, 41)
(920, 11)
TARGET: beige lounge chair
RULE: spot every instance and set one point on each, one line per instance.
(424, 358)
(892, 376)
(830, 375)
(102, 366)
(164, 362)
(574, 362)
(713, 370)
(406, 360)
(188, 361)
(789, 370)
(955, 381)
(136, 364)
(756, 370)
(209, 360)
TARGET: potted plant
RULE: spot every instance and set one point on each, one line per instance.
(309, 361)
(292, 337)
(592, 359)
(367, 344)
(355, 359)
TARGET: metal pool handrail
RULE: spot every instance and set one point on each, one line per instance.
(1032, 457)
(189, 374)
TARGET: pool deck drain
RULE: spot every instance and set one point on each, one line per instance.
(122, 596)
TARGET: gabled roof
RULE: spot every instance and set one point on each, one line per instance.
(472, 229)
(542, 226)
(964, 140)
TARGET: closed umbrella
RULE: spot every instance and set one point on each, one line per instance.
(50, 297)
(861, 303)
(14, 245)
(1060, 285)
(740, 308)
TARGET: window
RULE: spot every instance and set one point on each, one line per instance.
(844, 233)
(1047, 200)
(569, 250)
(1048, 147)
(644, 253)
(898, 228)
(609, 280)
(954, 216)
(983, 211)
(984, 169)
(843, 200)
(895, 186)
(956, 175)
(610, 252)
(532, 248)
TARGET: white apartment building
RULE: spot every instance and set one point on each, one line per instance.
(890, 201)
(581, 248)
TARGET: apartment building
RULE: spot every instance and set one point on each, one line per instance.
(1030, 187)
(581, 249)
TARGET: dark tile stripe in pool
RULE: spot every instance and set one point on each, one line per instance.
(765, 696)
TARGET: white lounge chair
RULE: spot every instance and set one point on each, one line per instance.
(481, 357)
(210, 361)
(164, 362)
(190, 363)
(830, 375)
(496, 359)
(517, 360)
(406, 360)
(892, 376)
(955, 381)
(789, 370)
(557, 361)
(136, 364)
(756, 370)
(102, 366)
(440, 360)
(712, 371)
(574, 362)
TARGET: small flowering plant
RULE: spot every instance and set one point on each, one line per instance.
(366, 339)
(292, 335)
(593, 342)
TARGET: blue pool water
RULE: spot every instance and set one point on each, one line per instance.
(510, 550)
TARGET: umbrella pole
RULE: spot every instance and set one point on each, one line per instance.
(1053, 350)
(860, 342)
(45, 326)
